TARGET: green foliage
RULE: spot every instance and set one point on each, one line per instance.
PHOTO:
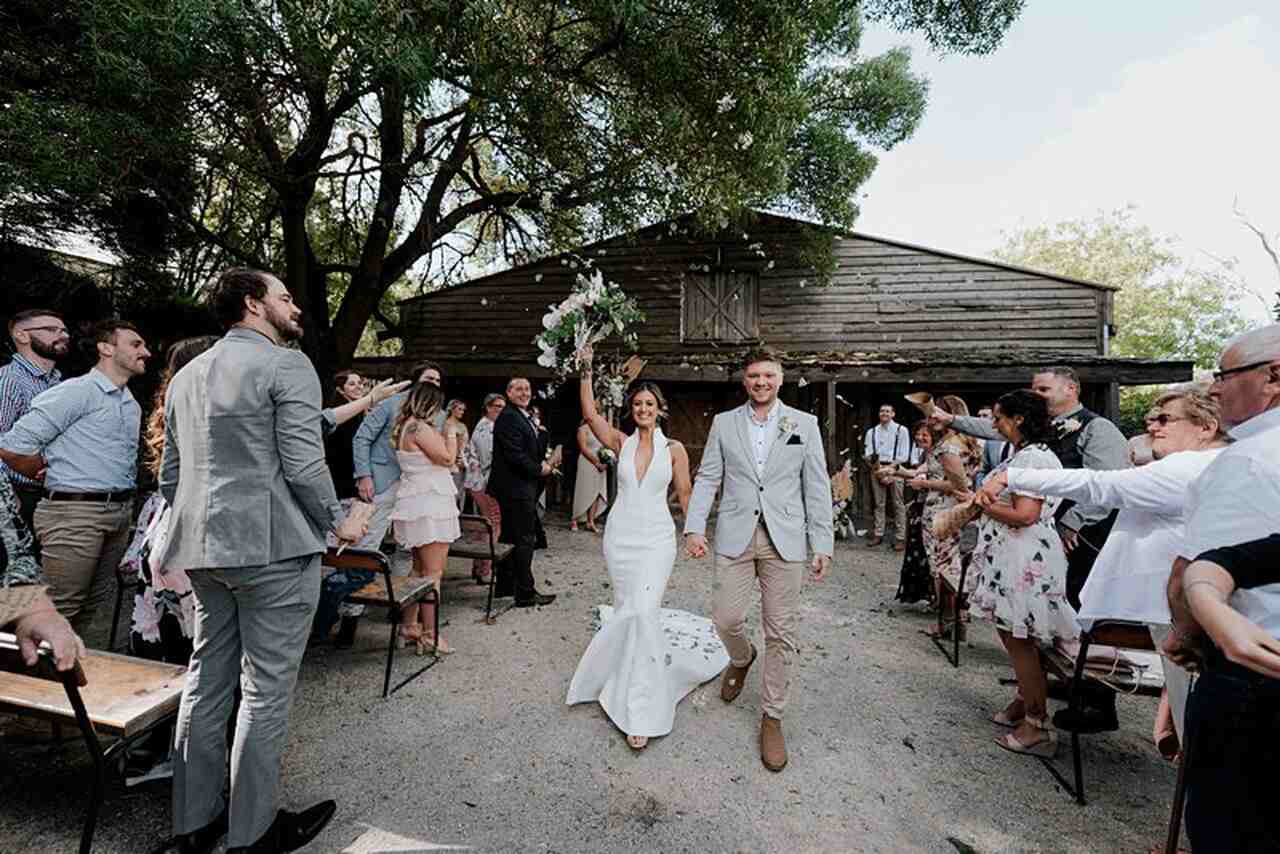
(1135, 402)
(357, 145)
(1165, 309)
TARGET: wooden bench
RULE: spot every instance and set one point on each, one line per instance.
(480, 542)
(392, 592)
(1121, 634)
(107, 696)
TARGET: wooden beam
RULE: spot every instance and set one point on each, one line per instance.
(833, 449)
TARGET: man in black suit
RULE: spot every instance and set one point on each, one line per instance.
(518, 469)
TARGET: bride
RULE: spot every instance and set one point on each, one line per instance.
(644, 658)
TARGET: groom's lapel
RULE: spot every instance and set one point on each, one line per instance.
(779, 440)
(740, 416)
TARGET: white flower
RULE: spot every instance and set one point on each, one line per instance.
(1071, 425)
(547, 359)
(551, 319)
(745, 139)
(484, 300)
(786, 426)
(538, 278)
(726, 104)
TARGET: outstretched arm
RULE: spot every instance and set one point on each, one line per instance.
(608, 435)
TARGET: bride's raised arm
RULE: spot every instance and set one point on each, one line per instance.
(608, 435)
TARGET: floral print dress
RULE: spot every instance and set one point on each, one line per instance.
(1021, 573)
(947, 556)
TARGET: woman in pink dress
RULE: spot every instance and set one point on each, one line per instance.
(425, 517)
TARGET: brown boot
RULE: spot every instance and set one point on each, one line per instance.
(773, 747)
(899, 546)
(734, 678)
(874, 541)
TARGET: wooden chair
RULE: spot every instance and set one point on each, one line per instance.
(390, 592)
(105, 695)
(480, 542)
(956, 622)
(125, 581)
(1121, 634)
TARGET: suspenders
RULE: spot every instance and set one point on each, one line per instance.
(897, 436)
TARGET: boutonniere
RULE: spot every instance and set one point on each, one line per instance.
(1071, 425)
(785, 426)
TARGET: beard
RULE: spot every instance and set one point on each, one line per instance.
(287, 328)
(55, 351)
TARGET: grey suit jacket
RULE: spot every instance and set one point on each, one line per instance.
(243, 465)
(793, 495)
(371, 448)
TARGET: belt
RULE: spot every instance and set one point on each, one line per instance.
(98, 497)
(22, 487)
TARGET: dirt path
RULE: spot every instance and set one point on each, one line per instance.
(889, 747)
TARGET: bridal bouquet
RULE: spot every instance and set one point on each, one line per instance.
(594, 310)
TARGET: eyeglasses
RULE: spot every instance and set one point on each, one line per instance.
(1164, 419)
(56, 330)
(1219, 376)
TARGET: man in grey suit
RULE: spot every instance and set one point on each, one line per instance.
(766, 460)
(244, 471)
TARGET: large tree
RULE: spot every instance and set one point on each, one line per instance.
(348, 144)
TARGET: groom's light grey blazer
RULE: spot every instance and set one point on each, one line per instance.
(793, 495)
(243, 465)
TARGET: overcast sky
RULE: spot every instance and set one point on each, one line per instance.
(1170, 105)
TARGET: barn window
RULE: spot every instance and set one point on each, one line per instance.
(720, 305)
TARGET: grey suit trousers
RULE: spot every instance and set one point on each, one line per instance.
(251, 625)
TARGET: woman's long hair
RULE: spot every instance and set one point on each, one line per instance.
(180, 353)
(1036, 426)
(336, 397)
(423, 402)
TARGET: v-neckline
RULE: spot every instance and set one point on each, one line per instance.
(635, 461)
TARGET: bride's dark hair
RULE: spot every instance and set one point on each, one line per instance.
(651, 387)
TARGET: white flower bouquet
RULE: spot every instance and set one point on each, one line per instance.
(593, 311)
(606, 456)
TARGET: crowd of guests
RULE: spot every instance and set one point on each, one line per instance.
(254, 480)
(1053, 518)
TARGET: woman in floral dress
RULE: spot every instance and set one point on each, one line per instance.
(952, 465)
(1021, 573)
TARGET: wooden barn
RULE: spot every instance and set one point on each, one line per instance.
(891, 318)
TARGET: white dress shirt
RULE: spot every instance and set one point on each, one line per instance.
(1237, 500)
(762, 434)
(1129, 578)
(890, 443)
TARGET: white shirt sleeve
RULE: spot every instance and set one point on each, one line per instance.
(1160, 487)
(1236, 501)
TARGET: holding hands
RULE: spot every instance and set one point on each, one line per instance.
(991, 488)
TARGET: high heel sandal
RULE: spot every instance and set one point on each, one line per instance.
(1047, 749)
(1003, 718)
(427, 645)
(408, 633)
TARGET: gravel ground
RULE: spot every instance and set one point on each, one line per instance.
(889, 747)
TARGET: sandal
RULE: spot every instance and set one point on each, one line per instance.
(408, 633)
(1006, 718)
(431, 645)
(637, 742)
(937, 632)
(1046, 748)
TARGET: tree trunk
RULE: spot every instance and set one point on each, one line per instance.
(309, 288)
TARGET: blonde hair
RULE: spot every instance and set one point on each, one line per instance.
(423, 402)
(1201, 409)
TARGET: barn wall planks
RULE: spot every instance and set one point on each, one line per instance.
(881, 298)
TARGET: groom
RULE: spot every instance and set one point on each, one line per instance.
(768, 462)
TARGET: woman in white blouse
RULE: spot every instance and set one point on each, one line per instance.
(478, 460)
(1128, 580)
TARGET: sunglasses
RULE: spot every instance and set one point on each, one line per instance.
(1164, 419)
(1219, 376)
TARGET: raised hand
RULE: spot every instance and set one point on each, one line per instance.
(386, 389)
(585, 355)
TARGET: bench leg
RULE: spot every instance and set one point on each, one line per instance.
(1179, 796)
(391, 651)
(115, 616)
(1075, 704)
(99, 763)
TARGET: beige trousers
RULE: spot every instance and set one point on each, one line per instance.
(734, 593)
(81, 545)
(891, 494)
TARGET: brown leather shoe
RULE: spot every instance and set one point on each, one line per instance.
(899, 547)
(773, 747)
(874, 541)
(734, 678)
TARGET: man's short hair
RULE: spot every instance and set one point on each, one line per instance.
(491, 397)
(515, 380)
(31, 314)
(761, 354)
(424, 366)
(887, 406)
(105, 331)
(1068, 374)
(226, 297)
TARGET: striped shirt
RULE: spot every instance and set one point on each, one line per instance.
(20, 381)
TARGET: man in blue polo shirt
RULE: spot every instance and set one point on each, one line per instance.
(83, 433)
(40, 339)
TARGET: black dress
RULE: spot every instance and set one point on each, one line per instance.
(915, 582)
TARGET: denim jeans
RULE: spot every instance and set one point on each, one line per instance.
(335, 587)
(1233, 725)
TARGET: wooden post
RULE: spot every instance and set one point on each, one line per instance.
(833, 448)
(1111, 407)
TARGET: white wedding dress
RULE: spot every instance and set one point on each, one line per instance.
(645, 658)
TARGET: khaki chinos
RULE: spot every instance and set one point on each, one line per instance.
(81, 544)
(779, 582)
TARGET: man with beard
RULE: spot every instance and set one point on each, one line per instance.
(244, 471)
(40, 339)
(83, 433)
